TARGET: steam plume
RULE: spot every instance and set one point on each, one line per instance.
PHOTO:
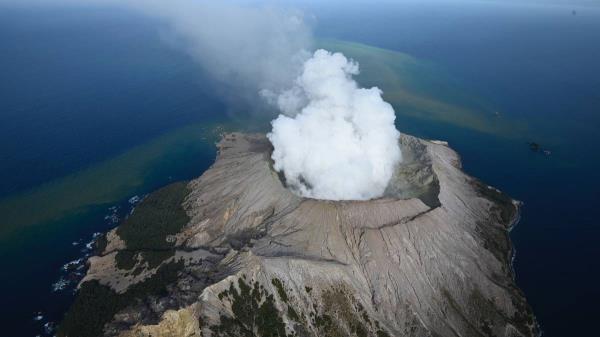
(335, 140)
(248, 47)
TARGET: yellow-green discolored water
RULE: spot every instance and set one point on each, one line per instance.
(106, 182)
(52, 215)
(418, 89)
(409, 84)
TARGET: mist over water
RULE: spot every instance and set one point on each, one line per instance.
(333, 140)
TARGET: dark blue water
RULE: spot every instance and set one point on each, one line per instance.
(538, 64)
(81, 85)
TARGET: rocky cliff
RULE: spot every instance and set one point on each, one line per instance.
(235, 253)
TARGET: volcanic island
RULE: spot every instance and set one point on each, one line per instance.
(236, 253)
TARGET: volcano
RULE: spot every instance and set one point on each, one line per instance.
(236, 253)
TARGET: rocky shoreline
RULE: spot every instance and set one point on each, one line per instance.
(235, 253)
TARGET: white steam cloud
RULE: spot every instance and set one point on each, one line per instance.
(248, 47)
(335, 140)
(245, 48)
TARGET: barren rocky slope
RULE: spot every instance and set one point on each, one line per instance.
(235, 253)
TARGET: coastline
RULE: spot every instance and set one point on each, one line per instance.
(207, 238)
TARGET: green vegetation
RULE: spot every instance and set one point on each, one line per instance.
(341, 313)
(156, 257)
(504, 208)
(293, 314)
(495, 238)
(381, 333)
(280, 289)
(484, 310)
(160, 214)
(487, 314)
(125, 259)
(254, 313)
(146, 230)
(523, 317)
(96, 304)
(145, 235)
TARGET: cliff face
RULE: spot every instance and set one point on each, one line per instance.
(235, 253)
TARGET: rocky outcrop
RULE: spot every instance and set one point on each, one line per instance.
(430, 258)
(183, 323)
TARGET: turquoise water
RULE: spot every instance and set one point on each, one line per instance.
(95, 109)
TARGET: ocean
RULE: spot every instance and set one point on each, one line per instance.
(537, 66)
(96, 109)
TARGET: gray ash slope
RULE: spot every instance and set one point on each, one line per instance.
(238, 254)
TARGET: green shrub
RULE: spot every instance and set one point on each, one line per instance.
(96, 304)
(160, 214)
